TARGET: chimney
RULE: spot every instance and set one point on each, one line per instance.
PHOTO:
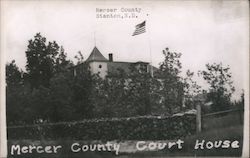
(110, 57)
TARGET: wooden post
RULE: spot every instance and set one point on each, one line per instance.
(198, 118)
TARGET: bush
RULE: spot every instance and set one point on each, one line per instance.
(134, 128)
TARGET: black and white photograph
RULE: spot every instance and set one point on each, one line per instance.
(124, 79)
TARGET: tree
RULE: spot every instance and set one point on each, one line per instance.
(79, 57)
(41, 60)
(83, 85)
(220, 83)
(110, 95)
(14, 76)
(143, 91)
(123, 94)
(14, 89)
(191, 89)
(62, 64)
(61, 100)
(46, 64)
(172, 86)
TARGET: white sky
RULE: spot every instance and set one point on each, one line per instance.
(203, 31)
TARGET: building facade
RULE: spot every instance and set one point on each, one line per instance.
(98, 64)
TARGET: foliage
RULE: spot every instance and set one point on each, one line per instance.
(79, 57)
(239, 103)
(60, 108)
(111, 95)
(143, 92)
(43, 60)
(140, 128)
(83, 86)
(13, 75)
(172, 87)
(221, 87)
(62, 63)
(122, 95)
(14, 92)
(54, 89)
(191, 90)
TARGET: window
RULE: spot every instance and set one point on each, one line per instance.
(100, 66)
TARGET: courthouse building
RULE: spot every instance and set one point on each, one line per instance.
(98, 64)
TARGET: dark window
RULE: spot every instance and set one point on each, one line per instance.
(100, 66)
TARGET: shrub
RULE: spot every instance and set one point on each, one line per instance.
(133, 128)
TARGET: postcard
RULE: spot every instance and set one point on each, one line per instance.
(107, 79)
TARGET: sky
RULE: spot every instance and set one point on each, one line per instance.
(203, 31)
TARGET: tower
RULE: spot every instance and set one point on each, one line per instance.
(97, 63)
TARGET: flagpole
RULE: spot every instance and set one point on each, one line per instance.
(95, 27)
(150, 50)
(139, 29)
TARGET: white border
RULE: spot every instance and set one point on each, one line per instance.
(3, 131)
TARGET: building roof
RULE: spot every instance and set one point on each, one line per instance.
(96, 55)
(126, 66)
(114, 66)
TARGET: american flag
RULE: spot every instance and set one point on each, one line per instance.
(140, 28)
